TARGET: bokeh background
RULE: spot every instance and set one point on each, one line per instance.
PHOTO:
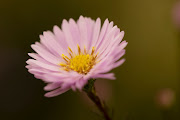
(147, 85)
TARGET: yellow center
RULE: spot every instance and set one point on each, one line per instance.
(81, 62)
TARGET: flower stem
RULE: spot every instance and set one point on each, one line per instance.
(91, 93)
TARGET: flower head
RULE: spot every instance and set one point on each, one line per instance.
(69, 57)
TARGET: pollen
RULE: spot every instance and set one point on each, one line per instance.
(82, 62)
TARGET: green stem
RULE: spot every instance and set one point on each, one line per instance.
(91, 93)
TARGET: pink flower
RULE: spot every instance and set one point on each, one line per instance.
(68, 58)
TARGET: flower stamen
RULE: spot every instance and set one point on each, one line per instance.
(63, 56)
(81, 63)
(93, 49)
(79, 49)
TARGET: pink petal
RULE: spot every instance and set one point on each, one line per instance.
(83, 31)
(45, 54)
(103, 32)
(60, 37)
(53, 44)
(118, 63)
(43, 65)
(68, 36)
(96, 33)
(107, 39)
(57, 92)
(52, 86)
(90, 27)
(106, 76)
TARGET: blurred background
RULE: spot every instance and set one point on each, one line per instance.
(147, 85)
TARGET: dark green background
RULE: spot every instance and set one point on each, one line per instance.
(152, 58)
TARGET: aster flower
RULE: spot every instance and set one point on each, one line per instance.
(74, 56)
(67, 58)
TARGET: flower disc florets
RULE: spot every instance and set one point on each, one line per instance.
(81, 62)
